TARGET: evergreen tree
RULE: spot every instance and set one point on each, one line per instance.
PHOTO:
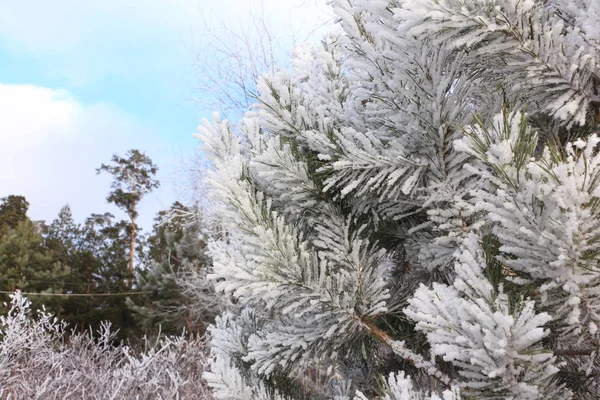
(133, 179)
(63, 234)
(97, 257)
(105, 246)
(177, 249)
(13, 210)
(173, 222)
(412, 212)
(27, 265)
(68, 242)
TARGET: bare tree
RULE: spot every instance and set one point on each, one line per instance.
(228, 67)
(234, 55)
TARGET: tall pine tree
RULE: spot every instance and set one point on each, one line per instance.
(134, 177)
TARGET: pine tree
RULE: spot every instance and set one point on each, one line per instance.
(177, 252)
(13, 210)
(63, 233)
(97, 256)
(73, 245)
(412, 211)
(61, 241)
(170, 224)
(105, 246)
(27, 265)
(133, 179)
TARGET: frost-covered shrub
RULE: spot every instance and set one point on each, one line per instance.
(41, 359)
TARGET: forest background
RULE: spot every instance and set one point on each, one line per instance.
(54, 214)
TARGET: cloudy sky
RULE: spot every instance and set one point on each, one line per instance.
(82, 80)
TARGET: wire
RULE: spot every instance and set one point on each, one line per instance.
(14, 280)
(79, 294)
(83, 283)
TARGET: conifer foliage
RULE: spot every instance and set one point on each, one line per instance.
(178, 296)
(412, 210)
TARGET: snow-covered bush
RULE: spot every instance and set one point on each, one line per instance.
(41, 359)
(419, 196)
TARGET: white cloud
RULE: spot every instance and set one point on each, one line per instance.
(51, 145)
(32, 111)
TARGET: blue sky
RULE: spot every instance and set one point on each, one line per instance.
(82, 80)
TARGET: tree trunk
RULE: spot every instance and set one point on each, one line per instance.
(87, 300)
(131, 248)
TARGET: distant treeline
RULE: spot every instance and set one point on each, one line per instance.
(105, 269)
